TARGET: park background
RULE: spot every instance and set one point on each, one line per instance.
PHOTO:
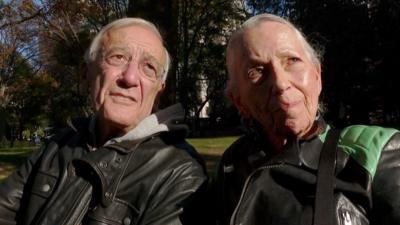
(42, 43)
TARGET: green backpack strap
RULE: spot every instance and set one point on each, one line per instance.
(365, 143)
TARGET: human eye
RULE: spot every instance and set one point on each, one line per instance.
(149, 69)
(254, 74)
(292, 60)
(293, 63)
(116, 58)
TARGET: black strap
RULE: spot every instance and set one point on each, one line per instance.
(324, 210)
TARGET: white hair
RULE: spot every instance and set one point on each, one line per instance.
(91, 53)
(266, 17)
(235, 43)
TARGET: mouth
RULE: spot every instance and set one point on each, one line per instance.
(287, 105)
(123, 98)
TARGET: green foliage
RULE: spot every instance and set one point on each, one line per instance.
(3, 123)
(359, 39)
(26, 134)
(196, 33)
(201, 71)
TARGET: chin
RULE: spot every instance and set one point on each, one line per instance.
(119, 119)
(122, 127)
(293, 128)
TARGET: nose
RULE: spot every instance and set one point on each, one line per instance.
(130, 74)
(280, 80)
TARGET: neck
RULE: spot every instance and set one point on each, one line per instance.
(105, 132)
(311, 132)
(280, 140)
(277, 141)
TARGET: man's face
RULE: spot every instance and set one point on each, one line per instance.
(278, 85)
(124, 80)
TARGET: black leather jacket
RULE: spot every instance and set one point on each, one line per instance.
(255, 187)
(154, 180)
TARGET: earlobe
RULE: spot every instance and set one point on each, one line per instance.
(162, 88)
(319, 80)
(158, 98)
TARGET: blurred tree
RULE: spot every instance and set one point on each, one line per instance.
(196, 35)
(42, 43)
(4, 129)
(16, 58)
(65, 30)
(54, 35)
(359, 41)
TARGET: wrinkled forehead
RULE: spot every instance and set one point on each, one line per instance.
(136, 39)
(270, 35)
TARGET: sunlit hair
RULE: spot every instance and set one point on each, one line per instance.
(235, 45)
(91, 53)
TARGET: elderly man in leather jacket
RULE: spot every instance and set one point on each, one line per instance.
(291, 167)
(123, 165)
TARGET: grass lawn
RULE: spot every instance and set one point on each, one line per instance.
(10, 158)
(210, 148)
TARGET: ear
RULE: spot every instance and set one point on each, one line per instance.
(83, 79)
(162, 88)
(158, 97)
(236, 100)
(318, 77)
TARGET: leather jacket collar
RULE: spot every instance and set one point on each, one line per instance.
(296, 151)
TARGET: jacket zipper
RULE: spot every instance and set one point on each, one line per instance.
(233, 217)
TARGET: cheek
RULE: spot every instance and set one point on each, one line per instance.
(309, 85)
(258, 101)
(150, 91)
(99, 86)
(313, 88)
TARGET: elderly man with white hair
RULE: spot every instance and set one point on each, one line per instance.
(123, 165)
(291, 167)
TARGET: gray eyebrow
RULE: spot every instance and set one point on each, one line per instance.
(112, 49)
